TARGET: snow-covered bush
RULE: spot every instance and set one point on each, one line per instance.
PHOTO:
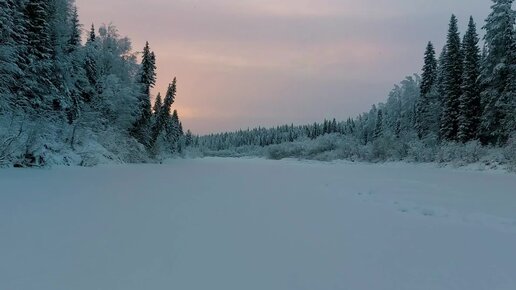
(321, 145)
(11, 133)
(388, 148)
(286, 150)
(461, 154)
(509, 153)
(349, 148)
(423, 150)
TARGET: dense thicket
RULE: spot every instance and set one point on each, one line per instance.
(65, 102)
(461, 97)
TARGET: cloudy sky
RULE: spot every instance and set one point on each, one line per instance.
(245, 63)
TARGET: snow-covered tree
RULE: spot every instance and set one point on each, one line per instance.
(452, 83)
(75, 31)
(141, 129)
(8, 55)
(91, 59)
(378, 130)
(499, 74)
(425, 106)
(429, 76)
(148, 70)
(158, 104)
(469, 107)
(39, 54)
(163, 116)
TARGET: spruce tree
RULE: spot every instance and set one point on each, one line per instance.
(188, 138)
(75, 34)
(441, 65)
(452, 83)
(8, 55)
(425, 102)
(142, 130)
(39, 52)
(92, 35)
(21, 59)
(469, 108)
(378, 130)
(164, 112)
(498, 74)
(90, 63)
(429, 76)
(148, 73)
(180, 129)
(158, 104)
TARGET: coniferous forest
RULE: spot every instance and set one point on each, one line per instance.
(68, 101)
(462, 108)
(63, 101)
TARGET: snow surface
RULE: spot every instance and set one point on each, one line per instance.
(253, 224)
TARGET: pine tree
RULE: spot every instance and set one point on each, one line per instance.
(498, 74)
(180, 130)
(39, 52)
(141, 128)
(428, 83)
(158, 104)
(188, 138)
(325, 127)
(469, 108)
(148, 74)
(90, 64)
(441, 71)
(164, 112)
(75, 34)
(429, 76)
(378, 130)
(8, 54)
(92, 36)
(176, 125)
(452, 83)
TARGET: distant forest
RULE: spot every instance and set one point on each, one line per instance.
(66, 102)
(461, 107)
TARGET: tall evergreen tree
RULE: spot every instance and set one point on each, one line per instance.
(92, 36)
(141, 129)
(75, 34)
(90, 64)
(378, 130)
(8, 54)
(452, 83)
(441, 71)
(429, 76)
(148, 73)
(158, 104)
(164, 112)
(39, 53)
(469, 108)
(498, 74)
(428, 83)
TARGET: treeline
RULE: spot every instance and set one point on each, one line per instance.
(467, 94)
(65, 102)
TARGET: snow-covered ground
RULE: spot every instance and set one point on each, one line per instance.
(252, 224)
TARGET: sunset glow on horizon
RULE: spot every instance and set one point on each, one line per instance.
(252, 63)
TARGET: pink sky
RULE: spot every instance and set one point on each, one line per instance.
(247, 63)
